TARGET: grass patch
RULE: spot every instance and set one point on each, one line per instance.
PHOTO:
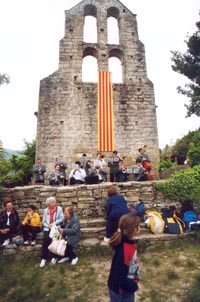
(172, 269)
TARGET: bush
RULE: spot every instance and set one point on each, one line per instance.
(165, 164)
(182, 185)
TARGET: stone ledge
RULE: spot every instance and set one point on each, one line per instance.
(151, 239)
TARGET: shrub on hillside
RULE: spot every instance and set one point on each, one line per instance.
(182, 185)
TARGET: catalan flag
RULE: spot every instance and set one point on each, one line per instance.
(105, 112)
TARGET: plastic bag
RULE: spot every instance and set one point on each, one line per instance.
(54, 232)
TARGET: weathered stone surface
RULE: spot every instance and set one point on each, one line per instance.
(91, 214)
(67, 112)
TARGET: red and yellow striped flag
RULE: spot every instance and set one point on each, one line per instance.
(105, 112)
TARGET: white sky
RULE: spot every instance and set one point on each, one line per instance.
(30, 31)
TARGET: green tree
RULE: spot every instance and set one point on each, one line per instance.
(4, 79)
(189, 144)
(20, 167)
(4, 165)
(188, 64)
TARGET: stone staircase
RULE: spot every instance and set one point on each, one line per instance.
(93, 232)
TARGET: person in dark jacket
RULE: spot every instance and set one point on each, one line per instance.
(9, 222)
(39, 170)
(70, 230)
(116, 206)
(124, 273)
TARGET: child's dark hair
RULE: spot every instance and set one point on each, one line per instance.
(128, 227)
(33, 207)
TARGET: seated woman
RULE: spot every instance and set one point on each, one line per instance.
(70, 230)
(56, 178)
(31, 225)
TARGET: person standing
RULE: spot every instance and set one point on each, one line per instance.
(124, 273)
(38, 171)
(85, 164)
(63, 166)
(116, 206)
(53, 215)
(113, 165)
(9, 222)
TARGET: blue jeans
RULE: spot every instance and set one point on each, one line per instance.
(125, 297)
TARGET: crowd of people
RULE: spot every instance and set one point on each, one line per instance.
(53, 215)
(121, 227)
(96, 171)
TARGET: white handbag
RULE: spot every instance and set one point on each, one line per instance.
(58, 246)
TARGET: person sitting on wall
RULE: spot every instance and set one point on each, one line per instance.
(38, 171)
(70, 230)
(122, 175)
(77, 175)
(31, 225)
(9, 222)
(56, 178)
(63, 166)
(140, 173)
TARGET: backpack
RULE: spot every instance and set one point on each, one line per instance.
(140, 209)
(190, 216)
(173, 224)
(155, 222)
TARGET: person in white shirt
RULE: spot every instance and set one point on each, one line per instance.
(77, 175)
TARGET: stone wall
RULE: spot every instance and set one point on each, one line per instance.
(67, 111)
(89, 203)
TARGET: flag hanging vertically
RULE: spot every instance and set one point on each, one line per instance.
(105, 112)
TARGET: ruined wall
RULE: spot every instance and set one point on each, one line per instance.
(67, 111)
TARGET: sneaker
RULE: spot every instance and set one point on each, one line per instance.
(6, 242)
(106, 239)
(42, 263)
(53, 261)
(33, 242)
(63, 260)
(74, 261)
(26, 242)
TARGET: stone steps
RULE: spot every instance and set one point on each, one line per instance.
(93, 232)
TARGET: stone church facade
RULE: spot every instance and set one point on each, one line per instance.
(67, 109)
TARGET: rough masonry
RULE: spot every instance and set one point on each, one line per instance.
(67, 110)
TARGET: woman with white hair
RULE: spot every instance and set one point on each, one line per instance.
(53, 215)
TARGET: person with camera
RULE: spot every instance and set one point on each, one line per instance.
(77, 174)
(122, 175)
